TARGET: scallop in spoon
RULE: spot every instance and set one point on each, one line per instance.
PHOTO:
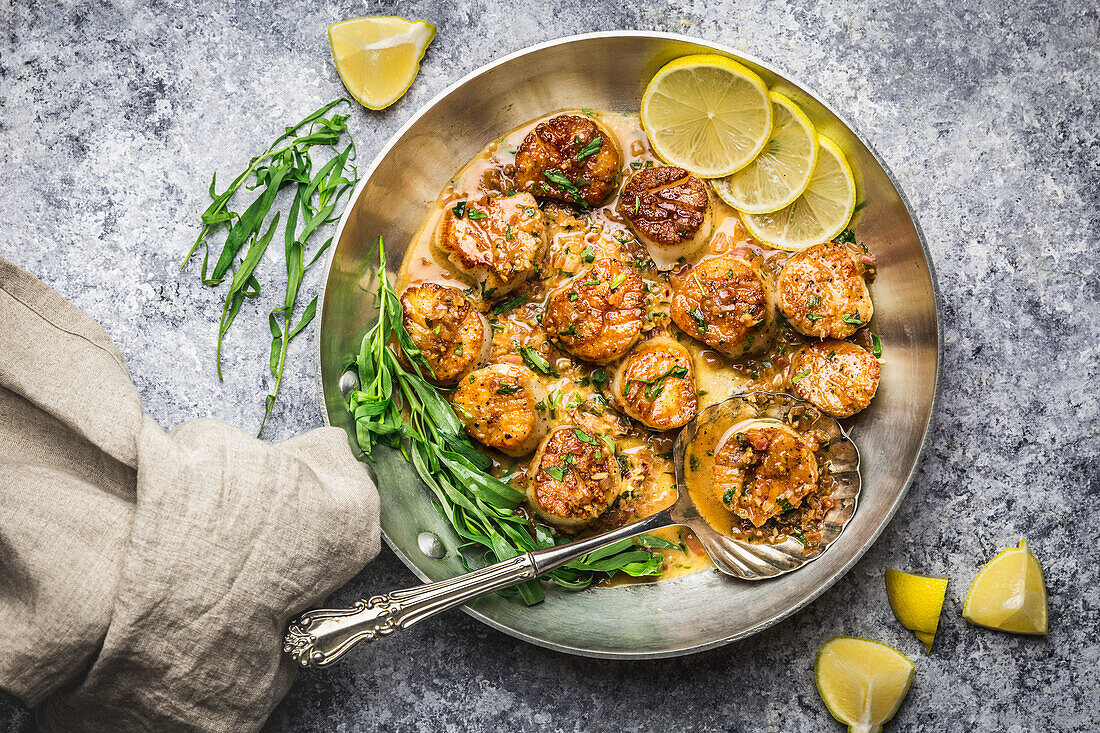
(320, 637)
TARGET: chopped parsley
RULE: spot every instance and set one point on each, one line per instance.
(459, 209)
(474, 214)
(846, 237)
(853, 319)
(507, 389)
(557, 472)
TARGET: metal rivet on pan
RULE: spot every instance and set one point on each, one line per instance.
(349, 380)
(431, 545)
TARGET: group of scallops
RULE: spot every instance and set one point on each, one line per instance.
(499, 243)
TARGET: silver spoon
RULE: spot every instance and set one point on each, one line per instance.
(320, 637)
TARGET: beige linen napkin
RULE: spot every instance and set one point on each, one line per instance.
(146, 577)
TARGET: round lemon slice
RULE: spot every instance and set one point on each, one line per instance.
(862, 682)
(707, 113)
(819, 214)
(378, 57)
(1009, 593)
(782, 170)
(917, 601)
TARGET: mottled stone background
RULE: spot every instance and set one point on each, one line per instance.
(113, 115)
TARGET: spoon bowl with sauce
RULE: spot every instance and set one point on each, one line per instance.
(734, 473)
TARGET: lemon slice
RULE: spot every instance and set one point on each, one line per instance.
(1009, 594)
(819, 214)
(862, 682)
(379, 57)
(707, 113)
(782, 170)
(917, 601)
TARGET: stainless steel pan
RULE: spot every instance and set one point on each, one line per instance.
(609, 71)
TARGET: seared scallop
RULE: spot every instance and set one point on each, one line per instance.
(655, 384)
(669, 210)
(725, 303)
(764, 468)
(822, 291)
(598, 314)
(573, 478)
(498, 406)
(835, 376)
(450, 333)
(496, 243)
(569, 158)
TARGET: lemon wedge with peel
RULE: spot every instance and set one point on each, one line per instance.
(917, 601)
(707, 113)
(862, 682)
(1009, 593)
(819, 214)
(378, 57)
(782, 170)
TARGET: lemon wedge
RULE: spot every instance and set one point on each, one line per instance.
(819, 214)
(707, 113)
(1009, 593)
(378, 57)
(782, 170)
(917, 601)
(862, 682)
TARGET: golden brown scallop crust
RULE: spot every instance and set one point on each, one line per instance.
(560, 160)
(762, 471)
(497, 404)
(822, 291)
(725, 303)
(598, 315)
(573, 479)
(446, 327)
(665, 205)
(655, 384)
(835, 376)
(498, 242)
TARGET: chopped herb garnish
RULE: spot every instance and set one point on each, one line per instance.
(458, 350)
(591, 148)
(588, 112)
(853, 319)
(557, 472)
(635, 164)
(697, 316)
(693, 462)
(459, 209)
(847, 236)
(558, 178)
(589, 254)
(536, 361)
(509, 304)
(572, 295)
(508, 234)
(815, 301)
(591, 282)
(876, 345)
(814, 316)
(599, 377)
(618, 280)
(474, 214)
(507, 389)
(585, 437)
(800, 376)
(637, 203)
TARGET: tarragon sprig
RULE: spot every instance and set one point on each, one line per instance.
(286, 162)
(480, 507)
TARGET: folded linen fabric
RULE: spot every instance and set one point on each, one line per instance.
(146, 577)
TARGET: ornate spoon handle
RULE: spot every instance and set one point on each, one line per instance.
(320, 637)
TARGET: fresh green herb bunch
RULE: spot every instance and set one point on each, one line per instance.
(286, 162)
(480, 507)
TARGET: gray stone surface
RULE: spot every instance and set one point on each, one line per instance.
(112, 116)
